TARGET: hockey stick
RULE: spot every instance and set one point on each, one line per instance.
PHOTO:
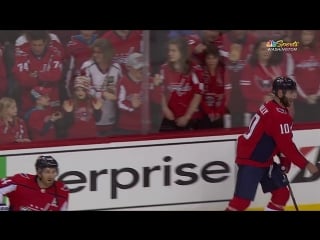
(291, 192)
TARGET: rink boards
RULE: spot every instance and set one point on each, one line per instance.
(194, 173)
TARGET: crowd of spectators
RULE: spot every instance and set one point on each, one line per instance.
(61, 84)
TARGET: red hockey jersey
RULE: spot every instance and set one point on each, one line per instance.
(270, 132)
(25, 194)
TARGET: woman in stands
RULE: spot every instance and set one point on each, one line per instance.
(182, 90)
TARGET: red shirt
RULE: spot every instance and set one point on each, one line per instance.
(131, 118)
(234, 68)
(194, 40)
(213, 100)
(180, 89)
(25, 194)
(256, 82)
(49, 68)
(307, 69)
(269, 133)
(79, 50)
(124, 46)
(15, 130)
(40, 126)
(84, 123)
(55, 45)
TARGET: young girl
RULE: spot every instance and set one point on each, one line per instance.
(12, 128)
(82, 111)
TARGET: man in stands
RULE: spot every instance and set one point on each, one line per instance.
(38, 65)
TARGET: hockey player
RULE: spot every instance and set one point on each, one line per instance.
(40, 192)
(269, 134)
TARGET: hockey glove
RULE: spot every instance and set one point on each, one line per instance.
(285, 164)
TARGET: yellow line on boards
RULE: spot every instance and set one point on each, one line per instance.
(309, 207)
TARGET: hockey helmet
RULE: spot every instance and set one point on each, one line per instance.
(46, 162)
(283, 83)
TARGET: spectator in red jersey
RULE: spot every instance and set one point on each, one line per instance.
(38, 65)
(213, 100)
(183, 88)
(78, 51)
(41, 119)
(82, 111)
(307, 75)
(236, 50)
(263, 66)
(12, 128)
(40, 192)
(104, 75)
(132, 119)
(269, 134)
(22, 44)
(201, 41)
(124, 43)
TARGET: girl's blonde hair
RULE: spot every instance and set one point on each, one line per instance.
(5, 103)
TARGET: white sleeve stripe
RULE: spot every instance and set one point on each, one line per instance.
(54, 37)
(195, 79)
(122, 97)
(201, 86)
(224, 53)
(7, 189)
(64, 206)
(245, 81)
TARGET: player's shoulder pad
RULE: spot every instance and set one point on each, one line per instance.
(24, 175)
(62, 186)
(275, 108)
(281, 110)
(6, 181)
(21, 177)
